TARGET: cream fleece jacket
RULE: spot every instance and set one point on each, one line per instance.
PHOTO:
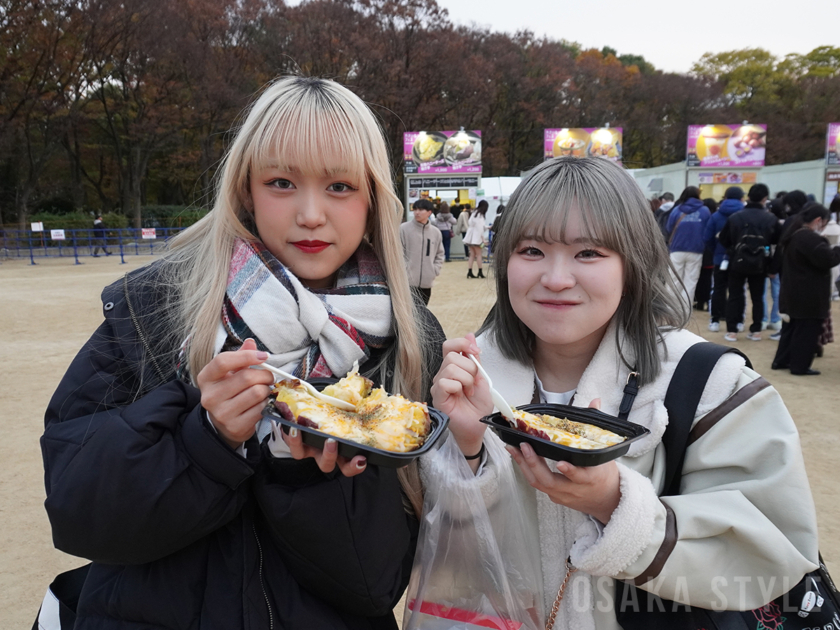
(745, 521)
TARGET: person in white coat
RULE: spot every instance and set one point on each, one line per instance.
(474, 238)
(584, 298)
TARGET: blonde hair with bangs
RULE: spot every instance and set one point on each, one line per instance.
(309, 125)
(615, 215)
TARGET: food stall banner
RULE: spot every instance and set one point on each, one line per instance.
(606, 142)
(832, 150)
(442, 151)
(726, 145)
(442, 182)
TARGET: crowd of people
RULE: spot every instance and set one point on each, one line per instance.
(196, 511)
(750, 242)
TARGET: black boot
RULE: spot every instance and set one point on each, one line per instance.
(470, 274)
(480, 273)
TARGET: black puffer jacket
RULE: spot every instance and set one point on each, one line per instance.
(186, 534)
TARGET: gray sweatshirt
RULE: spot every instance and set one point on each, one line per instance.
(423, 249)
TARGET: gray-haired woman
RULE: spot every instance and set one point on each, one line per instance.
(585, 296)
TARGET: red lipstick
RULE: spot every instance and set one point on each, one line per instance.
(311, 247)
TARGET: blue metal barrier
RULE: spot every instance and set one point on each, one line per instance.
(83, 243)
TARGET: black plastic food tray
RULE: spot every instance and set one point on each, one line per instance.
(348, 448)
(559, 452)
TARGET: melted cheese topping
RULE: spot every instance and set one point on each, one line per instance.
(427, 148)
(566, 432)
(353, 388)
(389, 423)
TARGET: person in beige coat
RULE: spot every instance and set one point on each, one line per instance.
(585, 297)
(423, 249)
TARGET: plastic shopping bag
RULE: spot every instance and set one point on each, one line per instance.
(477, 563)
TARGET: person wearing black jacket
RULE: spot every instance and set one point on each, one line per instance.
(805, 296)
(755, 221)
(196, 512)
(99, 236)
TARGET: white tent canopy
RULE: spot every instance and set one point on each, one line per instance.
(499, 187)
(497, 191)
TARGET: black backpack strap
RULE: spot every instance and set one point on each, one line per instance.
(631, 389)
(681, 400)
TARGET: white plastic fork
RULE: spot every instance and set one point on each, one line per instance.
(335, 402)
(498, 399)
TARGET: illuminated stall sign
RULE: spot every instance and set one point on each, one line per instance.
(726, 145)
(832, 149)
(442, 152)
(605, 142)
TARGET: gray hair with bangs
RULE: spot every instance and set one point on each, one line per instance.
(615, 215)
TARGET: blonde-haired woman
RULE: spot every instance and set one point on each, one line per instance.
(196, 512)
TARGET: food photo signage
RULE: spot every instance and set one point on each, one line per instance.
(832, 151)
(726, 145)
(442, 151)
(605, 142)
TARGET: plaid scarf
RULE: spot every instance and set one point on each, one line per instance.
(306, 332)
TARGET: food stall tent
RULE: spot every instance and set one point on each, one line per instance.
(496, 191)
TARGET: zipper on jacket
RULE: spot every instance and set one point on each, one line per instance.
(262, 584)
(422, 236)
(428, 246)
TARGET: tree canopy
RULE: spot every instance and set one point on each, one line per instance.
(112, 106)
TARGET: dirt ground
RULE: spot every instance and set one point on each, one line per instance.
(47, 311)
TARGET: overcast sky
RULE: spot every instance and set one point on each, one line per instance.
(671, 34)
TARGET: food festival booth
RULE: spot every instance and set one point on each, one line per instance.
(720, 156)
(818, 177)
(710, 165)
(442, 164)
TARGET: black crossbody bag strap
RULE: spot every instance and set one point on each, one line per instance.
(681, 400)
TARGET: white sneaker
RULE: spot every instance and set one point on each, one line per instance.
(764, 325)
(714, 326)
(774, 325)
(776, 336)
(756, 336)
(730, 337)
(740, 326)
